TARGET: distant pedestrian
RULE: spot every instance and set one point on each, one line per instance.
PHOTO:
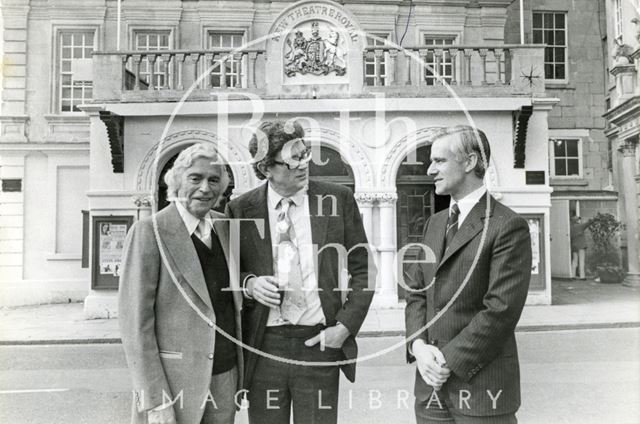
(578, 246)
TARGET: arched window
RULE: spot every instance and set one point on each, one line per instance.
(335, 170)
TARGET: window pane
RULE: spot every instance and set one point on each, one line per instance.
(559, 54)
(559, 20)
(572, 148)
(560, 72)
(548, 20)
(548, 55)
(537, 20)
(537, 37)
(559, 37)
(77, 53)
(89, 39)
(66, 66)
(558, 148)
(66, 39)
(548, 37)
(548, 71)
(561, 169)
(572, 167)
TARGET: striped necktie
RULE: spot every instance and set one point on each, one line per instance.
(452, 225)
(288, 269)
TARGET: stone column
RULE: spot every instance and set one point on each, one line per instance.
(365, 203)
(628, 150)
(387, 293)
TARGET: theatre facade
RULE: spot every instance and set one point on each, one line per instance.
(105, 123)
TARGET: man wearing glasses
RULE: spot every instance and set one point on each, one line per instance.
(295, 310)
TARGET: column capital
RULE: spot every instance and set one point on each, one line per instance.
(368, 198)
(142, 200)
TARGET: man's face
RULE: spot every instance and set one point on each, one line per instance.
(287, 181)
(200, 186)
(448, 173)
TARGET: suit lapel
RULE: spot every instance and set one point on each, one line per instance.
(319, 219)
(222, 230)
(470, 227)
(258, 209)
(439, 225)
(181, 249)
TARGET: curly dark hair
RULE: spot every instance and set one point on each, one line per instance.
(274, 134)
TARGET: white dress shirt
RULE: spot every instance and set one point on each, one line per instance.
(192, 222)
(301, 221)
(467, 203)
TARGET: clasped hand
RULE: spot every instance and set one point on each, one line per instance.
(431, 364)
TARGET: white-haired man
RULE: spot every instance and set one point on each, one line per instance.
(179, 305)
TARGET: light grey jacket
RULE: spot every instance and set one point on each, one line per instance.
(166, 316)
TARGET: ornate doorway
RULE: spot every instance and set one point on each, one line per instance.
(417, 201)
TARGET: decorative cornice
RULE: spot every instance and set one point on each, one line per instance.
(624, 112)
(622, 69)
(115, 132)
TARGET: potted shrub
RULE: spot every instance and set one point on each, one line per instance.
(604, 228)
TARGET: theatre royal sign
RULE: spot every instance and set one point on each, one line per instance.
(315, 47)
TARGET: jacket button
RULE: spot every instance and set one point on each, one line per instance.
(210, 324)
(211, 356)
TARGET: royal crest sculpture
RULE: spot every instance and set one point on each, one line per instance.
(315, 55)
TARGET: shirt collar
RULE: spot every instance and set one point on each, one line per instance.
(190, 221)
(468, 202)
(273, 197)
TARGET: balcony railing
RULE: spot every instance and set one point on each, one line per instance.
(414, 71)
(455, 64)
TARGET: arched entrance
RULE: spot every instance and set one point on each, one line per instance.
(417, 201)
(335, 170)
(162, 186)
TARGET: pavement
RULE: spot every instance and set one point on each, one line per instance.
(575, 305)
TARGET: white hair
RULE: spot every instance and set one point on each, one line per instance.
(184, 161)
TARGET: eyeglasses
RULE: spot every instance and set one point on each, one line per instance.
(297, 161)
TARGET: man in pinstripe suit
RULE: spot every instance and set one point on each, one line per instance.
(467, 359)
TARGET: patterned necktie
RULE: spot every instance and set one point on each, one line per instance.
(203, 231)
(452, 225)
(288, 269)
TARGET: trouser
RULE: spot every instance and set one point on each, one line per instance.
(440, 411)
(221, 407)
(279, 386)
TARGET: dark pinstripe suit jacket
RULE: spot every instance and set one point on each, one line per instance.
(476, 330)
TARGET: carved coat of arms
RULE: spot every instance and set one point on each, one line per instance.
(315, 55)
